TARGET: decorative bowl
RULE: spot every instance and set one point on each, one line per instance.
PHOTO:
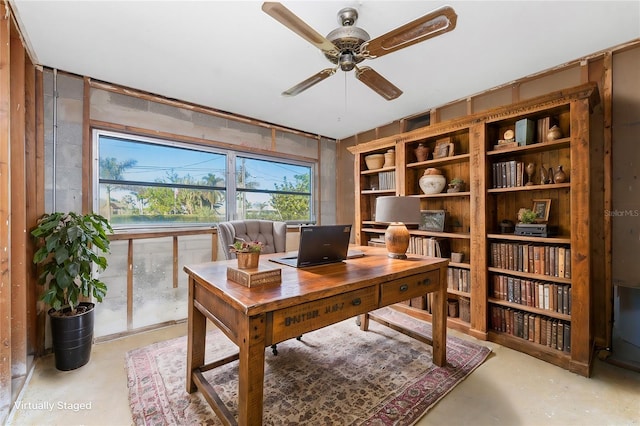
(374, 161)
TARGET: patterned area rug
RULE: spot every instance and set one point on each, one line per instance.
(337, 375)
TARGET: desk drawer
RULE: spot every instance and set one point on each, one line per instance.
(407, 288)
(297, 320)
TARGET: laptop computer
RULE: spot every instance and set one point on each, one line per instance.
(319, 245)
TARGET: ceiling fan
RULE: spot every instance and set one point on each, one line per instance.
(348, 45)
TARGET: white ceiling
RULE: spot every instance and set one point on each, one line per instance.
(231, 56)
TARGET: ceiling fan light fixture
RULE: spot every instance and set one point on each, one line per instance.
(347, 61)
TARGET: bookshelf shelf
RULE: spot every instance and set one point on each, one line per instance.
(462, 236)
(445, 194)
(474, 216)
(545, 187)
(524, 238)
(378, 192)
(459, 265)
(532, 309)
(376, 171)
(554, 356)
(539, 147)
(439, 161)
(458, 292)
(530, 275)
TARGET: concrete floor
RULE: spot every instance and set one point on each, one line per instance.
(509, 388)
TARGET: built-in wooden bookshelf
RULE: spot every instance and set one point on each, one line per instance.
(562, 336)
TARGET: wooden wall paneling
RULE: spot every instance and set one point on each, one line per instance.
(19, 237)
(5, 221)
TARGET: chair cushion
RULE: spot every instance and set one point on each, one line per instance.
(273, 235)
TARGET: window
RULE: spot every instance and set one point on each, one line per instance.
(272, 190)
(145, 182)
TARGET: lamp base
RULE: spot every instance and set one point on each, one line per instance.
(396, 239)
(397, 256)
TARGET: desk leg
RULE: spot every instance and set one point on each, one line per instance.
(251, 370)
(196, 337)
(439, 321)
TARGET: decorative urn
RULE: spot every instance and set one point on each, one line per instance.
(432, 182)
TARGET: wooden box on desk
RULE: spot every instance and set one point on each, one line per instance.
(255, 277)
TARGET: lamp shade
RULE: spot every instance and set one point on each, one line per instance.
(398, 209)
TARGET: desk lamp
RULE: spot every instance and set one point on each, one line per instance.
(397, 211)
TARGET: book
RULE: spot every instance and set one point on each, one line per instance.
(560, 259)
(525, 130)
(254, 277)
(567, 337)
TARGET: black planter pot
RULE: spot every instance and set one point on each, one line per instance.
(72, 338)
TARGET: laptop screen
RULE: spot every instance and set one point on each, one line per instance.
(320, 244)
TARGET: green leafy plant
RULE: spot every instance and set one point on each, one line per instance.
(242, 246)
(69, 245)
(528, 216)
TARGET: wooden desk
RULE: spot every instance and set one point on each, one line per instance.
(306, 300)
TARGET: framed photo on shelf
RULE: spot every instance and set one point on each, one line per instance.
(442, 148)
(432, 220)
(542, 207)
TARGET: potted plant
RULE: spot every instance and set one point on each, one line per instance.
(456, 185)
(527, 216)
(69, 245)
(247, 252)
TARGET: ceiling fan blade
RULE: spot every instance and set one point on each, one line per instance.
(287, 18)
(432, 24)
(314, 79)
(378, 83)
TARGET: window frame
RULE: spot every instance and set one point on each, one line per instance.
(231, 191)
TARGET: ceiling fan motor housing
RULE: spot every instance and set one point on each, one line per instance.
(348, 40)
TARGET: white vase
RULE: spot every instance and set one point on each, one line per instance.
(432, 184)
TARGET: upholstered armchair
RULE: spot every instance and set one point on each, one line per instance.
(273, 235)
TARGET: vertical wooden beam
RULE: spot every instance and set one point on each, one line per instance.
(175, 261)
(319, 174)
(479, 210)
(30, 105)
(214, 246)
(87, 149)
(5, 221)
(434, 116)
(130, 286)
(581, 325)
(515, 93)
(273, 139)
(607, 96)
(18, 209)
